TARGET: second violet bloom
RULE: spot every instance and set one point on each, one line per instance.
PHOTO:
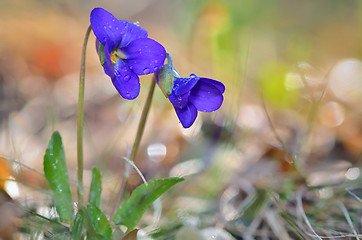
(191, 94)
(125, 51)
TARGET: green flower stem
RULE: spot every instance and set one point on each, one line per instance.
(169, 59)
(80, 118)
(141, 127)
(142, 123)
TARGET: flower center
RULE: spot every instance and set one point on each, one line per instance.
(117, 53)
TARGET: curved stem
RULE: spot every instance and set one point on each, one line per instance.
(169, 59)
(141, 127)
(80, 118)
(142, 123)
(292, 156)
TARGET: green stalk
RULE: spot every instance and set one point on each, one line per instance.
(142, 123)
(140, 130)
(80, 118)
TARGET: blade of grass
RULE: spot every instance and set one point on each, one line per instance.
(22, 164)
(281, 142)
(301, 211)
(48, 219)
(348, 218)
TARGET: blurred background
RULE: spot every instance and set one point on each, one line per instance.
(288, 136)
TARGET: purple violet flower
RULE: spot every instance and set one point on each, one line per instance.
(190, 95)
(125, 51)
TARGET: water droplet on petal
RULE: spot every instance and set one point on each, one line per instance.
(127, 77)
(127, 95)
(105, 27)
(155, 69)
(110, 27)
(131, 67)
(146, 71)
(156, 61)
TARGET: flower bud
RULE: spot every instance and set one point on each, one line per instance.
(165, 78)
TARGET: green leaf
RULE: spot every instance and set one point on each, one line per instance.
(130, 213)
(90, 230)
(78, 226)
(99, 221)
(56, 172)
(96, 188)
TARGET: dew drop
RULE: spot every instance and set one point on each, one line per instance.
(105, 27)
(131, 67)
(110, 27)
(155, 69)
(126, 78)
(146, 71)
(179, 100)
